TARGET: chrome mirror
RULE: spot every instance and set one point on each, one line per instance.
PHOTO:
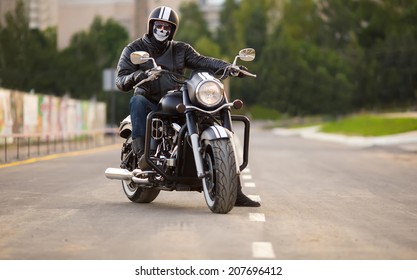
(247, 54)
(139, 57)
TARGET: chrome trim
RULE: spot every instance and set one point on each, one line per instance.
(209, 112)
(197, 156)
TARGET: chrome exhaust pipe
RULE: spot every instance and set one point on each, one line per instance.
(118, 174)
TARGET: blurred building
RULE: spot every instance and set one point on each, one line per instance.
(211, 11)
(72, 16)
(42, 13)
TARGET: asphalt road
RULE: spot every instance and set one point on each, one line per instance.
(320, 200)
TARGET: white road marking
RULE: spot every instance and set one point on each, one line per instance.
(249, 185)
(247, 177)
(257, 217)
(262, 250)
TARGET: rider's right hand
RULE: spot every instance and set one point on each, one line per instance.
(139, 76)
(152, 72)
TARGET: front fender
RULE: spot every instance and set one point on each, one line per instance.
(215, 132)
(218, 132)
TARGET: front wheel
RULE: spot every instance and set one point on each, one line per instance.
(221, 181)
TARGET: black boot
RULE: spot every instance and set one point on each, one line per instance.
(138, 145)
(243, 201)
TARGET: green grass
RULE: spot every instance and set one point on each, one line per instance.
(370, 125)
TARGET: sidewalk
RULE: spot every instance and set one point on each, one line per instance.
(404, 141)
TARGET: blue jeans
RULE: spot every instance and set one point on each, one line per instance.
(140, 107)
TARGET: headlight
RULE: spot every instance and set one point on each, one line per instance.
(210, 93)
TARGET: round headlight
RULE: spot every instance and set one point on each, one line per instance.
(210, 93)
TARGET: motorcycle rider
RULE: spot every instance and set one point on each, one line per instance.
(171, 55)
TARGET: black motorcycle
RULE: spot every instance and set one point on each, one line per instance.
(189, 141)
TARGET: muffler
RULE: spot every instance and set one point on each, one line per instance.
(118, 174)
(126, 175)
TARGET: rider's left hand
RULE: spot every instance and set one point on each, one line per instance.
(241, 67)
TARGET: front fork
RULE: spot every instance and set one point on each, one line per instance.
(195, 143)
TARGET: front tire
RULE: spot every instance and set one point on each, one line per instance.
(134, 192)
(221, 181)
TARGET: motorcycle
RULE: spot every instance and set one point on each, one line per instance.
(189, 141)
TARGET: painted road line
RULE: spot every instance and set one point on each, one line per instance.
(249, 184)
(257, 217)
(247, 177)
(262, 250)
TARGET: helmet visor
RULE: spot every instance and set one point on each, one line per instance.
(162, 25)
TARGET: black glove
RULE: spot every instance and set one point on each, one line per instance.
(241, 67)
(152, 72)
(139, 76)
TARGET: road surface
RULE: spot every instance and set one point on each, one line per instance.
(320, 200)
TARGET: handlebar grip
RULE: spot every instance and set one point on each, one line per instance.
(247, 73)
(153, 76)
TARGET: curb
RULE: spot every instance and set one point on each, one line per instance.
(406, 141)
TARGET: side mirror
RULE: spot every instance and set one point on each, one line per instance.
(141, 57)
(247, 54)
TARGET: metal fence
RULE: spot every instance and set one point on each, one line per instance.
(17, 147)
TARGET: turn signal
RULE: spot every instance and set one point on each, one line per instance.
(237, 104)
(180, 108)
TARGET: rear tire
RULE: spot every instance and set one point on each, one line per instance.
(221, 182)
(134, 192)
(139, 194)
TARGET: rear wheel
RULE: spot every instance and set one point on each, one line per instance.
(139, 194)
(221, 181)
(134, 192)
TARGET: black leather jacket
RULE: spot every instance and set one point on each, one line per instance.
(174, 56)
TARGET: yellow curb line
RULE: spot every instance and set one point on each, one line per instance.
(55, 156)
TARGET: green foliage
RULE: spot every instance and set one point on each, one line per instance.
(227, 36)
(192, 25)
(307, 80)
(378, 39)
(23, 52)
(89, 53)
(30, 60)
(247, 26)
(208, 47)
(313, 56)
(258, 112)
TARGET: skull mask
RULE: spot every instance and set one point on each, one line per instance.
(161, 30)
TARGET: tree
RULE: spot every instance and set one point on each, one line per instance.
(192, 24)
(24, 52)
(227, 36)
(378, 39)
(247, 26)
(303, 76)
(89, 53)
